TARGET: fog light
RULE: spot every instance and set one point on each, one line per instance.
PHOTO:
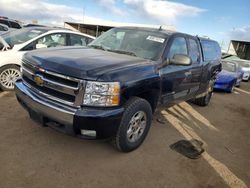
(89, 133)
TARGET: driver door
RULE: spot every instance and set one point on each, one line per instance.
(176, 79)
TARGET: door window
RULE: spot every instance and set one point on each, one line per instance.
(78, 40)
(194, 50)
(53, 40)
(179, 46)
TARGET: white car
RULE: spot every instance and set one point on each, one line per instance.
(14, 44)
(245, 67)
(3, 28)
(12, 24)
(246, 76)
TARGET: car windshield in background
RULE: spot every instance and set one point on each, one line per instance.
(228, 66)
(22, 35)
(144, 44)
(245, 64)
(230, 57)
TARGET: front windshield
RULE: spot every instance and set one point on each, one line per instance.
(140, 43)
(22, 35)
(228, 66)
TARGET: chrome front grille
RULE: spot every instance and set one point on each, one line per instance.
(64, 89)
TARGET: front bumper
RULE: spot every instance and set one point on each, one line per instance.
(246, 77)
(73, 121)
(223, 86)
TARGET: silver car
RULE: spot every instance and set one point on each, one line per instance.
(245, 67)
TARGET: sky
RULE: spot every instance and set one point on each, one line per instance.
(219, 20)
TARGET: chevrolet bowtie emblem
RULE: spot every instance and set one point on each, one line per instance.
(39, 81)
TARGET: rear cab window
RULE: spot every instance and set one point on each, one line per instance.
(211, 50)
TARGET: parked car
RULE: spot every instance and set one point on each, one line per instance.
(27, 39)
(245, 67)
(3, 28)
(229, 57)
(244, 64)
(229, 77)
(112, 88)
(12, 24)
(33, 25)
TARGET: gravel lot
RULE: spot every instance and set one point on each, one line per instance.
(32, 156)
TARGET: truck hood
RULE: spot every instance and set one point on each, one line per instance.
(81, 62)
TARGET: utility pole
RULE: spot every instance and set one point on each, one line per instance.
(83, 12)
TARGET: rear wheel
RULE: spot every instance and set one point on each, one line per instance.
(8, 76)
(134, 126)
(204, 101)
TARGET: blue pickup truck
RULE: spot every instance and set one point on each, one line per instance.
(111, 88)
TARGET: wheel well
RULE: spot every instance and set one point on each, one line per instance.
(151, 97)
(10, 65)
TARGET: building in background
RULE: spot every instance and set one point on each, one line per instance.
(97, 28)
(239, 48)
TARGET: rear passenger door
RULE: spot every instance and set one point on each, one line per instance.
(176, 79)
(196, 68)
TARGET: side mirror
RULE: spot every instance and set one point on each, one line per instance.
(38, 46)
(180, 59)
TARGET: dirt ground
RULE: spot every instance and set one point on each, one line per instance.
(32, 156)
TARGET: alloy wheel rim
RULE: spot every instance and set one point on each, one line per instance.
(8, 77)
(136, 126)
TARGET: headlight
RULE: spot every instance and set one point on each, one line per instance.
(102, 94)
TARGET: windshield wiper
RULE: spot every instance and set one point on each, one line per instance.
(123, 52)
(98, 47)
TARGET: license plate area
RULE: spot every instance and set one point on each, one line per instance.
(37, 117)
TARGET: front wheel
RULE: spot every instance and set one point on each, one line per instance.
(232, 88)
(134, 126)
(8, 76)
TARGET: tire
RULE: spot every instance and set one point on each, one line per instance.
(8, 75)
(134, 126)
(232, 88)
(204, 101)
(238, 85)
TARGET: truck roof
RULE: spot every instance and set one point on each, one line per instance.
(168, 32)
(163, 31)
